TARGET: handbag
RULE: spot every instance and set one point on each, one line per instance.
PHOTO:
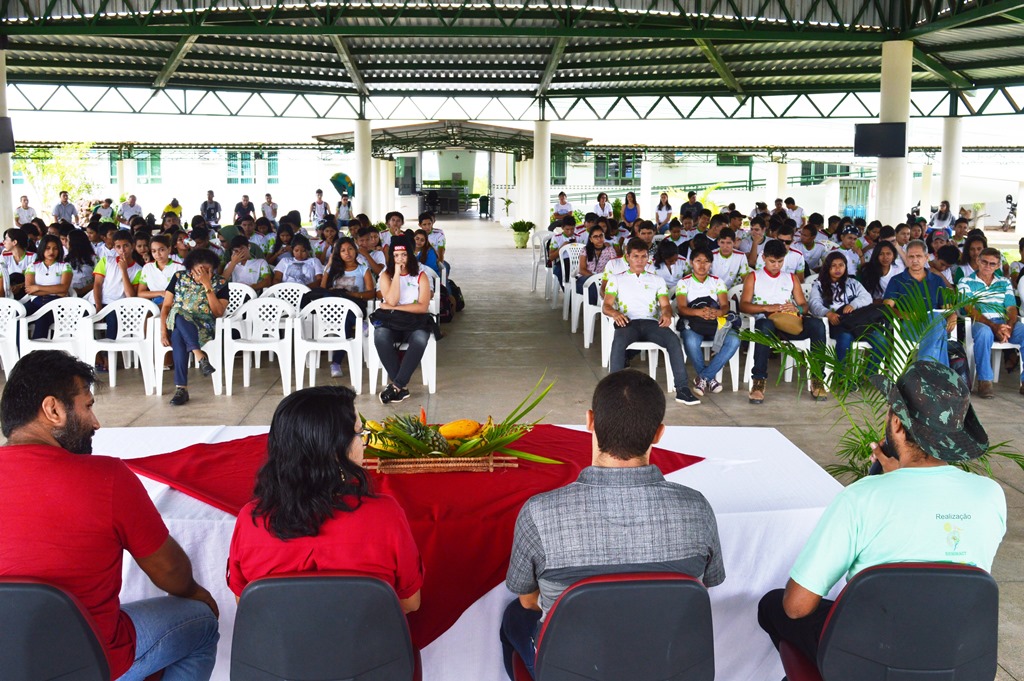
(706, 328)
(862, 320)
(788, 322)
(400, 320)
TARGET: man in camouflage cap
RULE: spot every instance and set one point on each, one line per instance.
(920, 510)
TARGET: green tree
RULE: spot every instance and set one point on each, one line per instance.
(51, 170)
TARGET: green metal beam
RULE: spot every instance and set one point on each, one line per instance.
(719, 65)
(1015, 16)
(933, 65)
(174, 60)
(349, 62)
(977, 12)
(551, 66)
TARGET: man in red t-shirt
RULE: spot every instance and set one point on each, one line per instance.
(68, 519)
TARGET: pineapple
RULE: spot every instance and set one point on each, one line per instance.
(414, 428)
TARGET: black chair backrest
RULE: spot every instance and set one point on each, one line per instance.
(44, 635)
(324, 627)
(640, 627)
(913, 622)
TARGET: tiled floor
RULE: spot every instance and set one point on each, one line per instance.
(508, 337)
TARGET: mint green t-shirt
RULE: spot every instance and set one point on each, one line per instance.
(939, 514)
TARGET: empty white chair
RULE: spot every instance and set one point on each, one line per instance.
(435, 288)
(591, 313)
(290, 293)
(135, 332)
(569, 256)
(214, 350)
(11, 313)
(71, 323)
(428, 364)
(259, 323)
(540, 241)
(328, 318)
(238, 294)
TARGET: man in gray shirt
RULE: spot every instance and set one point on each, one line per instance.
(620, 515)
(65, 210)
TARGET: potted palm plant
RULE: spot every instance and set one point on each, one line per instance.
(521, 232)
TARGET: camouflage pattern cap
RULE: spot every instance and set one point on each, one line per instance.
(934, 405)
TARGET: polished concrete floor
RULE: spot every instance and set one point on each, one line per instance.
(508, 337)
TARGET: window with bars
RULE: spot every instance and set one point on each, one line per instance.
(812, 173)
(273, 173)
(147, 166)
(617, 169)
(241, 169)
(558, 163)
(112, 157)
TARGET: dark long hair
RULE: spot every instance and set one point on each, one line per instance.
(50, 239)
(965, 250)
(427, 248)
(412, 265)
(589, 247)
(666, 250)
(80, 250)
(336, 260)
(825, 282)
(871, 273)
(308, 475)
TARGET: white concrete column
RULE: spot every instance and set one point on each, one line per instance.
(927, 172)
(952, 153)
(120, 176)
(361, 174)
(775, 182)
(525, 191)
(380, 189)
(541, 173)
(6, 190)
(893, 173)
(389, 186)
(644, 201)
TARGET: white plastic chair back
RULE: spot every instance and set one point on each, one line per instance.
(435, 290)
(136, 329)
(322, 326)
(290, 293)
(131, 317)
(11, 312)
(264, 324)
(238, 294)
(261, 318)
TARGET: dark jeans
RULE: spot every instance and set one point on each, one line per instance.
(802, 633)
(43, 324)
(518, 634)
(814, 329)
(647, 330)
(184, 340)
(386, 340)
(580, 281)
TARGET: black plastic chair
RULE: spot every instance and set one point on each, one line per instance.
(636, 626)
(45, 634)
(907, 622)
(322, 627)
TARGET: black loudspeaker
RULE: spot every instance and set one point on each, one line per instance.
(6, 136)
(882, 140)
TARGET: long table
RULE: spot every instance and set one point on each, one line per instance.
(766, 493)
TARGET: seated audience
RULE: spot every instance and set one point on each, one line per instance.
(917, 281)
(594, 258)
(568, 534)
(117, 276)
(944, 263)
(833, 296)
(885, 263)
(47, 279)
(775, 298)
(703, 303)
(910, 513)
(157, 274)
(669, 265)
(302, 267)
(729, 265)
(70, 517)
(314, 508)
(637, 302)
(994, 316)
(81, 258)
(242, 268)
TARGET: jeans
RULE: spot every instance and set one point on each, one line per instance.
(43, 324)
(580, 281)
(802, 633)
(933, 345)
(843, 339)
(983, 340)
(692, 341)
(385, 340)
(648, 331)
(814, 329)
(184, 341)
(178, 635)
(519, 634)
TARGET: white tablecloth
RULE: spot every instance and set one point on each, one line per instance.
(766, 493)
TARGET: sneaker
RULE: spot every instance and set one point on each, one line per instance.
(756, 394)
(180, 397)
(387, 395)
(686, 397)
(401, 395)
(818, 391)
(205, 367)
(714, 386)
(335, 370)
(985, 390)
(700, 386)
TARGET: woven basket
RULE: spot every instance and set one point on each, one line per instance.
(445, 464)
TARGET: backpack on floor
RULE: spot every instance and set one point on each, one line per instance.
(958, 361)
(447, 309)
(460, 301)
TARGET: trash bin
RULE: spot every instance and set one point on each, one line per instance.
(485, 206)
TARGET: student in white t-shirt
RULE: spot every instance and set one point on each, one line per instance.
(795, 212)
(23, 214)
(47, 278)
(242, 268)
(82, 259)
(561, 208)
(729, 265)
(117, 277)
(602, 208)
(157, 274)
(303, 268)
(663, 213)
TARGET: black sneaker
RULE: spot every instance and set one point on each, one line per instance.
(205, 367)
(686, 397)
(180, 397)
(401, 395)
(387, 395)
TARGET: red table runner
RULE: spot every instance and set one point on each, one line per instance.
(463, 522)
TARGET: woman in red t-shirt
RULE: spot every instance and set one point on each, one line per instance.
(314, 508)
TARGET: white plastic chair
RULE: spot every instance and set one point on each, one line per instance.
(71, 323)
(540, 242)
(290, 293)
(997, 353)
(238, 294)
(788, 365)
(653, 351)
(590, 313)
(214, 350)
(428, 363)
(435, 298)
(11, 313)
(569, 256)
(259, 323)
(136, 328)
(327, 318)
